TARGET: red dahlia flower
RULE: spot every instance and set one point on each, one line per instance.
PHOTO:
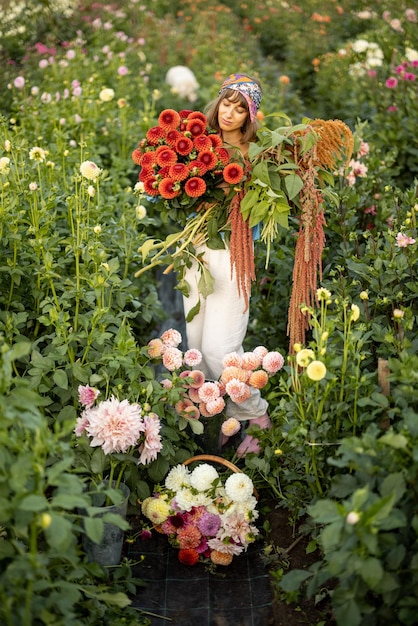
(208, 158)
(184, 146)
(137, 156)
(216, 140)
(184, 113)
(169, 119)
(148, 159)
(202, 143)
(168, 188)
(145, 173)
(179, 171)
(223, 155)
(188, 556)
(172, 137)
(195, 187)
(165, 156)
(196, 127)
(151, 186)
(233, 173)
(154, 134)
(198, 115)
(197, 168)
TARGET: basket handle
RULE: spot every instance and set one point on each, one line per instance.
(217, 459)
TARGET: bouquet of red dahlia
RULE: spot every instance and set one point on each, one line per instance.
(183, 164)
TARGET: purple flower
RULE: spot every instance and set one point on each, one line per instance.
(209, 524)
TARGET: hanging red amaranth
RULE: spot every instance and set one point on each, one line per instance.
(334, 144)
(241, 248)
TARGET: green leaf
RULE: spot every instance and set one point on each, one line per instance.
(146, 248)
(193, 311)
(294, 579)
(395, 440)
(196, 426)
(206, 282)
(393, 484)
(59, 533)
(324, 511)
(371, 572)
(293, 184)
(94, 528)
(60, 378)
(34, 503)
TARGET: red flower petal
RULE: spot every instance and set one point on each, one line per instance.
(165, 156)
(137, 156)
(184, 146)
(169, 119)
(208, 158)
(168, 188)
(154, 135)
(188, 556)
(179, 171)
(195, 187)
(196, 127)
(233, 173)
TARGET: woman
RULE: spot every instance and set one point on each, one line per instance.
(221, 324)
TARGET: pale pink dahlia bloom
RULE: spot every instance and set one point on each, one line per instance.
(260, 351)
(237, 390)
(155, 348)
(231, 359)
(208, 391)
(273, 362)
(87, 395)
(152, 445)
(215, 406)
(192, 357)
(230, 427)
(172, 358)
(114, 425)
(171, 337)
(250, 361)
(81, 424)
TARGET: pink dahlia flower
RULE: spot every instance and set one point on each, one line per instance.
(273, 362)
(172, 358)
(114, 425)
(192, 357)
(208, 391)
(171, 337)
(152, 445)
(238, 391)
(87, 395)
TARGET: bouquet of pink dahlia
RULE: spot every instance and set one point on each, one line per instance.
(183, 164)
(123, 433)
(202, 516)
(198, 397)
(205, 398)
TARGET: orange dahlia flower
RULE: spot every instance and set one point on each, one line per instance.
(195, 187)
(169, 119)
(233, 173)
(258, 379)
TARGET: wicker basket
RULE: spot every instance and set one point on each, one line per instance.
(217, 459)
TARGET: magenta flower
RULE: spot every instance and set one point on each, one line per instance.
(392, 82)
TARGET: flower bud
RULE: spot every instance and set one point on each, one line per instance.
(352, 518)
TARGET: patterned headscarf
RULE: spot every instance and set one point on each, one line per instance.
(248, 88)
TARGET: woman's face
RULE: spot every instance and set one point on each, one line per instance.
(232, 115)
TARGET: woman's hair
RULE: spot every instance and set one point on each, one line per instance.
(249, 129)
